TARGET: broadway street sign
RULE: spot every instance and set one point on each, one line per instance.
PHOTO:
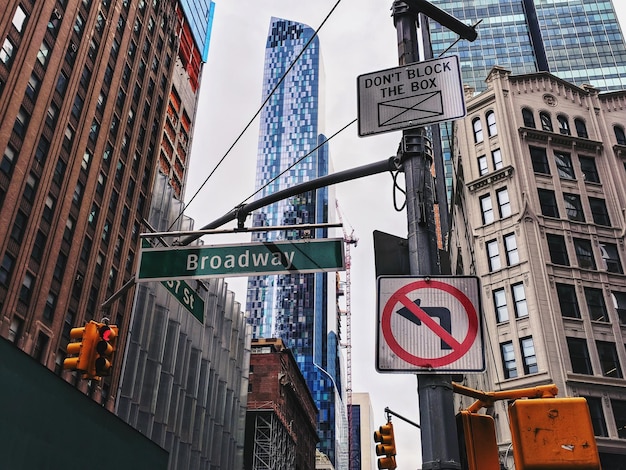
(279, 257)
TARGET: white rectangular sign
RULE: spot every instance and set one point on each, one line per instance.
(410, 96)
(429, 324)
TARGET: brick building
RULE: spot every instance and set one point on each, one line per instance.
(282, 417)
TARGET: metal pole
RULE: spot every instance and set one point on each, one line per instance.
(438, 427)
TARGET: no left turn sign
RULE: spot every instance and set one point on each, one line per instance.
(429, 324)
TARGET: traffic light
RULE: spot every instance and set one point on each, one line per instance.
(83, 349)
(386, 446)
(106, 343)
(478, 447)
(553, 433)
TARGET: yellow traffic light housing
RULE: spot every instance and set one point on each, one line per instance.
(386, 446)
(477, 441)
(106, 344)
(553, 433)
(81, 350)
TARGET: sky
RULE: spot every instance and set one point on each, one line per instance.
(358, 38)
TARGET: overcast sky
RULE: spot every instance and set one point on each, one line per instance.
(358, 38)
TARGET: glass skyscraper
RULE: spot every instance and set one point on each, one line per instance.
(579, 41)
(295, 307)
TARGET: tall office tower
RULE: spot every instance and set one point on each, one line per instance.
(577, 40)
(540, 169)
(362, 456)
(84, 87)
(296, 307)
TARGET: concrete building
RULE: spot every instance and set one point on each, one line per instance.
(281, 422)
(538, 216)
(185, 375)
(298, 308)
(362, 455)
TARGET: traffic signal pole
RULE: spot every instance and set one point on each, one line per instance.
(440, 448)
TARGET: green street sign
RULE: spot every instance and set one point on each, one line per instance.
(279, 257)
(188, 297)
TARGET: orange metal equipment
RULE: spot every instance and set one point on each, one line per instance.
(553, 433)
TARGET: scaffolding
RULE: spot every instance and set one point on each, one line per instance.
(274, 449)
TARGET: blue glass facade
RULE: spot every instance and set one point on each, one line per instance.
(294, 307)
(577, 40)
(199, 15)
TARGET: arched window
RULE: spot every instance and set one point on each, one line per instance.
(491, 124)
(581, 128)
(478, 130)
(529, 119)
(619, 135)
(563, 125)
(546, 121)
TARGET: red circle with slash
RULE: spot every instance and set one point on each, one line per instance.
(459, 349)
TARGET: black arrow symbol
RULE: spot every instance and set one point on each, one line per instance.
(445, 320)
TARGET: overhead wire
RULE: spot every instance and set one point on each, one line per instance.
(256, 114)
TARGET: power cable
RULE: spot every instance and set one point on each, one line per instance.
(247, 126)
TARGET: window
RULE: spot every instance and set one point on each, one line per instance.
(573, 207)
(584, 253)
(48, 209)
(15, 329)
(32, 87)
(528, 117)
(78, 106)
(563, 125)
(547, 200)
(519, 300)
(508, 360)
(595, 304)
(619, 303)
(6, 268)
(19, 226)
(619, 413)
(610, 258)
(486, 208)
(478, 130)
(482, 165)
(529, 357)
(546, 121)
(61, 85)
(21, 122)
(491, 124)
(564, 165)
(579, 355)
(493, 255)
(31, 187)
(539, 159)
(48, 310)
(597, 416)
(599, 212)
(19, 18)
(558, 249)
(499, 303)
(609, 361)
(38, 247)
(496, 156)
(8, 161)
(510, 245)
(620, 136)
(581, 128)
(42, 55)
(568, 302)
(588, 167)
(504, 205)
(26, 289)
(6, 53)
